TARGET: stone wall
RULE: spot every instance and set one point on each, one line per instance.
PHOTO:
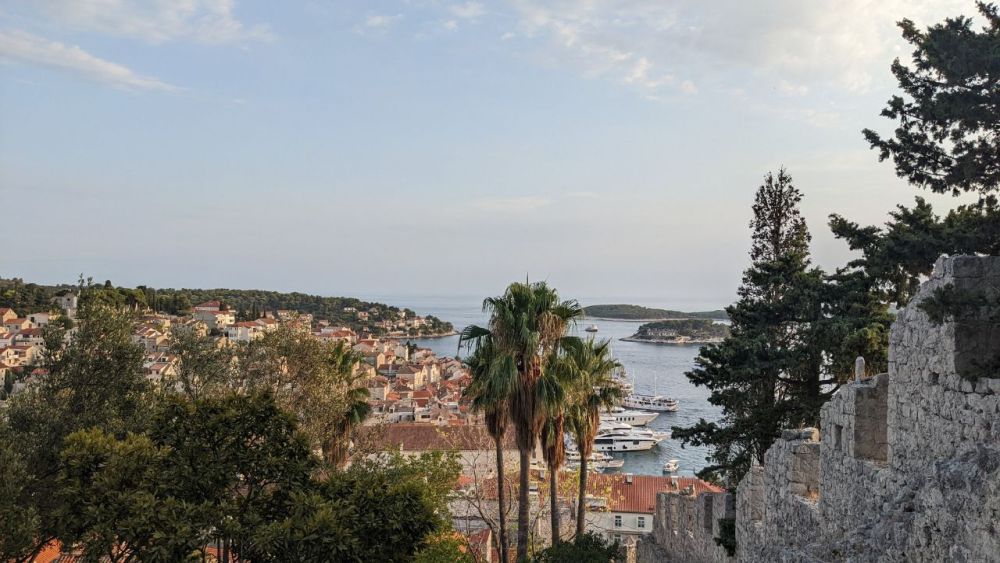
(907, 465)
(778, 503)
(685, 527)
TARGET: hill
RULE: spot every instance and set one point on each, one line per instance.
(685, 331)
(362, 316)
(624, 312)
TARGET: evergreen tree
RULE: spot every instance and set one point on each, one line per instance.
(947, 139)
(767, 373)
(948, 133)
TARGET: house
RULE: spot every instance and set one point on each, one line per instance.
(40, 319)
(217, 319)
(6, 314)
(378, 387)
(207, 307)
(244, 331)
(68, 302)
(474, 446)
(415, 376)
(620, 506)
(30, 337)
(19, 323)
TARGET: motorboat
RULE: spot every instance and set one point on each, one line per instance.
(591, 328)
(656, 403)
(628, 416)
(596, 460)
(617, 438)
(671, 466)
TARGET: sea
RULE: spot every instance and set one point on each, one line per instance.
(658, 368)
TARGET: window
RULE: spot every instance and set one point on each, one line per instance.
(641, 522)
(618, 521)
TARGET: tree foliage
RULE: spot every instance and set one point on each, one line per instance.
(948, 124)
(769, 371)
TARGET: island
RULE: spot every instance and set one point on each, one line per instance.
(622, 312)
(686, 331)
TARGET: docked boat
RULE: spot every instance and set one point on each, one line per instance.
(620, 437)
(628, 416)
(591, 328)
(671, 466)
(656, 403)
(596, 460)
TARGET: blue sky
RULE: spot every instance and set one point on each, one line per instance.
(433, 147)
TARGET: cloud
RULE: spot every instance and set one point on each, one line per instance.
(450, 25)
(841, 45)
(511, 204)
(19, 46)
(468, 10)
(382, 22)
(158, 21)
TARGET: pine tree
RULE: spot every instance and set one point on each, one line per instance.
(768, 372)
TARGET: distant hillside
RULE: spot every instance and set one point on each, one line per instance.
(362, 316)
(639, 313)
(687, 331)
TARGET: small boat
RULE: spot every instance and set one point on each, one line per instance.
(591, 328)
(596, 461)
(671, 466)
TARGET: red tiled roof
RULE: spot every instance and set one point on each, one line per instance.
(639, 496)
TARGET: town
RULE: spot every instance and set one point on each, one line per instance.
(418, 404)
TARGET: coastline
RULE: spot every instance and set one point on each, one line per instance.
(651, 320)
(425, 336)
(671, 342)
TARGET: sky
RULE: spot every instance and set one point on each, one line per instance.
(437, 148)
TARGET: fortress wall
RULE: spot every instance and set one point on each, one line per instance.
(685, 527)
(906, 467)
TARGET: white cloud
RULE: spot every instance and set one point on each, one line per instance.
(158, 21)
(19, 46)
(450, 25)
(846, 45)
(468, 10)
(382, 21)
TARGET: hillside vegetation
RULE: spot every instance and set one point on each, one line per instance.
(26, 298)
(640, 313)
(685, 331)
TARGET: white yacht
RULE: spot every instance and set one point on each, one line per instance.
(591, 328)
(671, 466)
(657, 403)
(628, 416)
(623, 441)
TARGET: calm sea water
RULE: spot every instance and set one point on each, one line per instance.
(654, 367)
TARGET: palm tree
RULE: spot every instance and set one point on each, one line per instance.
(493, 380)
(559, 377)
(595, 390)
(526, 324)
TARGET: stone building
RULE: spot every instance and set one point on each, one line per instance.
(905, 468)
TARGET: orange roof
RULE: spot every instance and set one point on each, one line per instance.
(640, 495)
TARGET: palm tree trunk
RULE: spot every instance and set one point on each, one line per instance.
(554, 502)
(501, 506)
(581, 505)
(523, 506)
